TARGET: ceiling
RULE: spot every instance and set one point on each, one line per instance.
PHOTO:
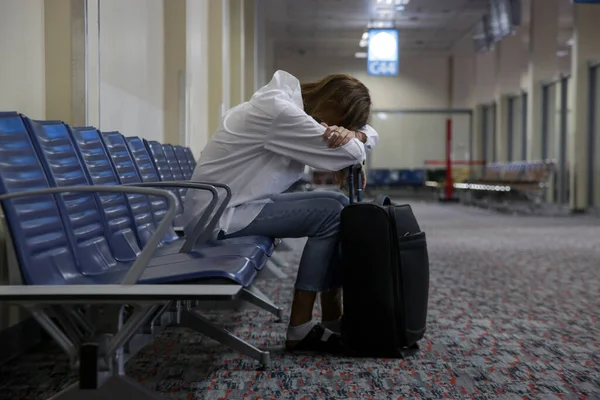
(334, 28)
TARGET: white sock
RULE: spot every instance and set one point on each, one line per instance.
(335, 326)
(296, 333)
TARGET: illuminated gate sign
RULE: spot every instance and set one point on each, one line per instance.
(382, 59)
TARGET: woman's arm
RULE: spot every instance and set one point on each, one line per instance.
(296, 135)
(367, 135)
(372, 137)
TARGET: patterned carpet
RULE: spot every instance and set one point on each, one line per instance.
(514, 314)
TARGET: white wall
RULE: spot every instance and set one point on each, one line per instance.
(406, 140)
(463, 84)
(22, 64)
(22, 89)
(510, 64)
(132, 67)
(422, 82)
(564, 64)
(484, 78)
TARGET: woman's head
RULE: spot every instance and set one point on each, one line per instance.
(338, 100)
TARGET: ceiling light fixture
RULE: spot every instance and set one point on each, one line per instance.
(391, 2)
(360, 54)
(365, 36)
(380, 24)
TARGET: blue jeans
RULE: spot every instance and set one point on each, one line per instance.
(315, 215)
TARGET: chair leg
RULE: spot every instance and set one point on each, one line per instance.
(193, 320)
(115, 388)
(278, 261)
(254, 296)
(272, 271)
(284, 246)
(83, 322)
(67, 323)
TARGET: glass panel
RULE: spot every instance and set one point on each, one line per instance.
(490, 134)
(517, 129)
(494, 124)
(524, 114)
(563, 162)
(596, 129)
(418, 140)
(554, 122)
(461, 136)
(550, 135)
(509, 130)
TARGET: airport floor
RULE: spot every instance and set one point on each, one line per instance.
(514, 313)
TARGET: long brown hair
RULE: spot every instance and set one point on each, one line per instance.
(343, 96)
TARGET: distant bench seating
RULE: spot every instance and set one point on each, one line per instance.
(518, 174)
(381, 178)
(526, 177)
(396, 177)
(90, 220)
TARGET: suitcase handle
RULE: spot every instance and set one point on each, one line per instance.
(359, 192)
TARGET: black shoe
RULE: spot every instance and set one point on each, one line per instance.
(313, 342)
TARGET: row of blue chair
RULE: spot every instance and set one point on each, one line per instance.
(89, 208)
(396, 177)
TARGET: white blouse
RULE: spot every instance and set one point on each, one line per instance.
(261, 148)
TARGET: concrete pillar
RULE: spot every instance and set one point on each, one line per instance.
(509, 70)
(225, 54)
(65, 42)
(250, 13)
(585, 49)
(218, 62)
(595, 146)
(262, 50)
(175, 65)
(502, 128)
(543, 65)
(93, 64)
(197, 100)
(22, 89)
(476, 150)
(237, 49)
(269, 59)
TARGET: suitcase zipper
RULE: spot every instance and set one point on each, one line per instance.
(396, 273)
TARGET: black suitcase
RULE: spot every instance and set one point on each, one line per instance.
(386, 277)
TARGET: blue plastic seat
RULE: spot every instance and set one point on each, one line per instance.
(378, 177)
(62, 238)
(41, 242)
(60, 153)
(190, 158)
(128, 173)
(100, 168)
(171, 159)
(62, 167)
(185, 166)
(101, 172)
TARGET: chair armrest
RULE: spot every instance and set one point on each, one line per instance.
(204, 227)
(143, 259)
(197, 232)
(202, 222)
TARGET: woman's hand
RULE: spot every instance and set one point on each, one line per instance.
(337, 136)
